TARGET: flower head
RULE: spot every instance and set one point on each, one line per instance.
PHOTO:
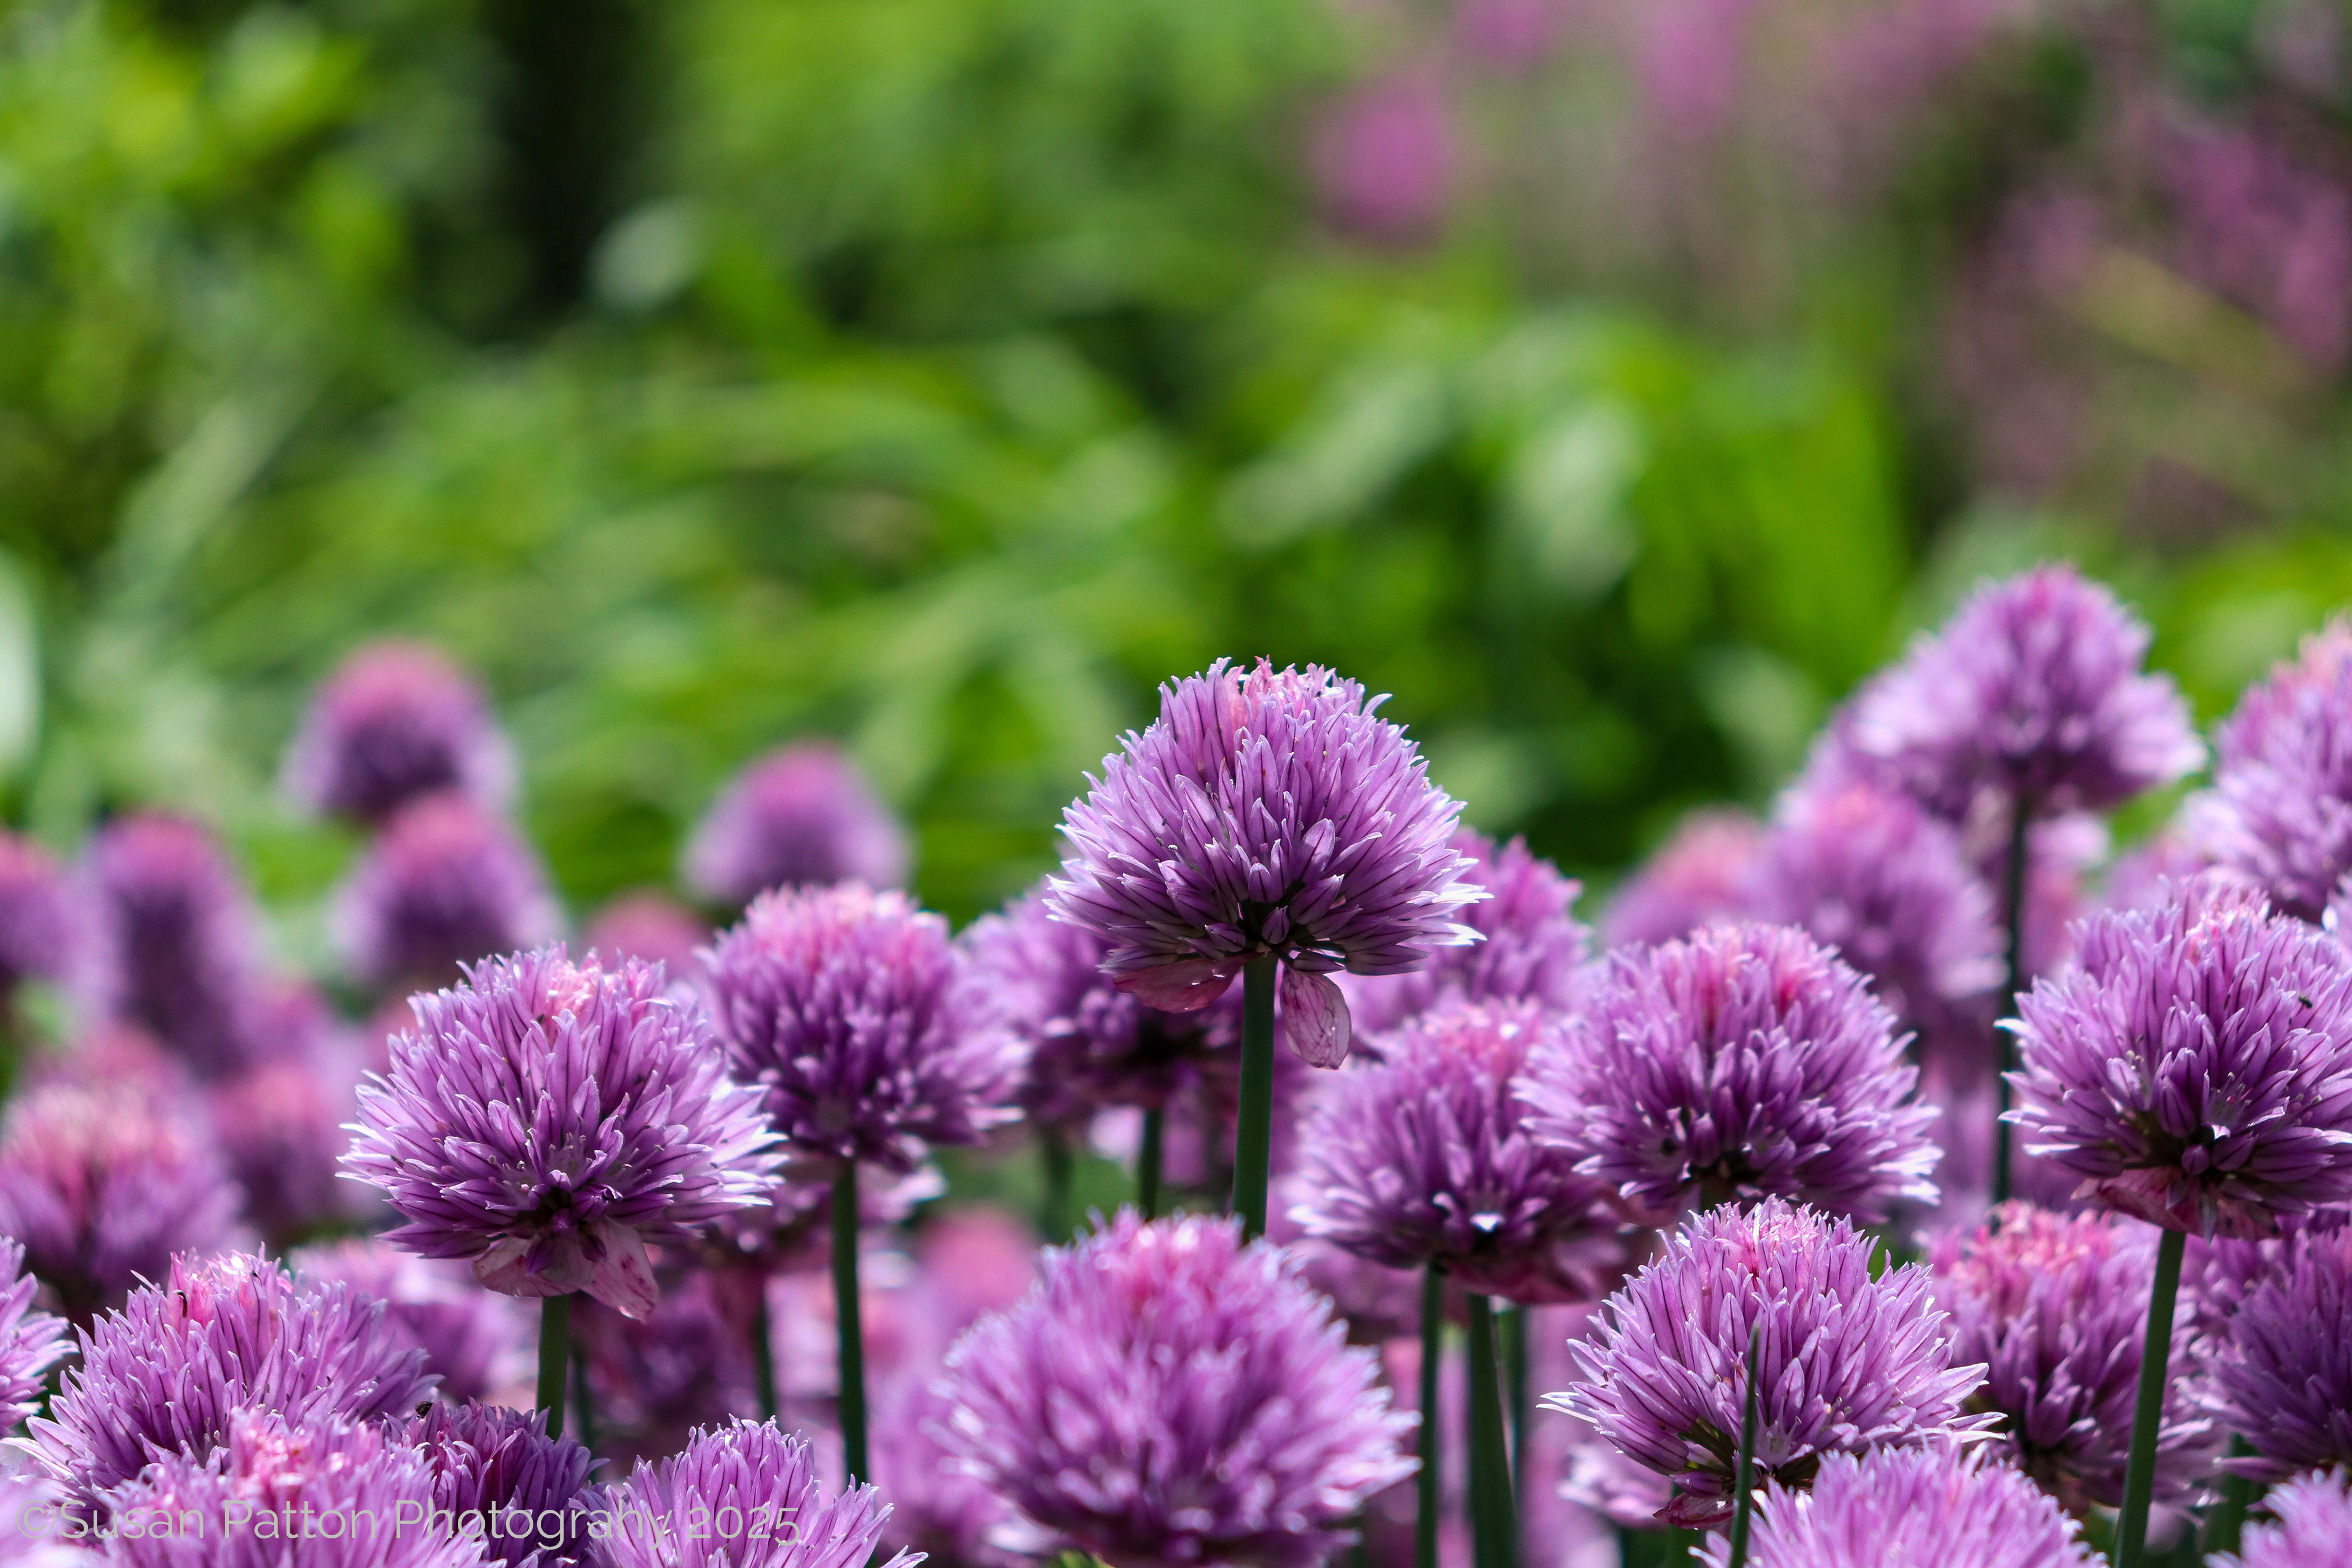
(759, 1473)
(1168, 1396)
(166, 1374)
(445, 883)
(2195, 1069)
(800, 815)
(396, 722)
(1425, 1158)
(547, 1119)
(490, 1462)
(1743, 1061)
(2279, 814)
(280, 1468)
(2056, 1307)
(1531, 950)
(101, 1187)
(2312, 1524)
(476, 1341)
(278, 1127)
(179, 937)
(837, 1005)
(2281, 1371)
(43, 926)
(1697, 876)
(1272, 812)
(31, 1340)
(1849, 1362)
(1938, 1504)
(2033, 692)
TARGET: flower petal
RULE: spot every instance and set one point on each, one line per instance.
(1186, 986)
(624, 1279)
(1314, 1017)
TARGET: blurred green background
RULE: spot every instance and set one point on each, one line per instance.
(1612, 380)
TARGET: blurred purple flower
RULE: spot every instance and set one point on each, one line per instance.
(43, 924)
(1383, 158)
(31, 1340)
(476, 1341)
(293, 1472)
(937, 1509)
(491, 1463)
(103, 1185)
(1424, 1159)
(1691, 63)
(1265, 812)
(653, 927)
(2279, 814)
(445, 883)
(799, 815)
(2311, 1524)
(2265, 231)
(396, 722)
(1937, 1504)
(34, 1499)
(165, 1374)
(2056, 1307)
(1743, 1062)
(1168, 1396)
(1508, 35)
(1532, 950)
(837, 1006)
(2196, 1068)
(760, 1474)
(548, 1118)
(1626, 1493)
(279, 1127)
(688, 1363)
(2280, 1372)
(1850, 1362)
(179, 938)
(1696, 877)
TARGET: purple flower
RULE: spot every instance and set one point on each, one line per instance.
(31, 1342)
(799, 815)
(1268, 812)
(445, 883)
(474, 1340)
(2266, 231)
(761, 1477)
(279, 1130)
(2312, 1525)
(1742, 1062)
(937, 1510)
(2279, 814)
(653, 927)
(1850, 1362)
(2281, 1373)
(1170, 1396)
(1383, 159)
(1628, 1495)
(2056, 1306)
(1425, 1159)
(1869, 873)
(179, 936)
(1937, 1504)
(293, 1474)
(2195, 1069)
(1087, 1044)
(165, 1373)
(836, 1003)
(547, 1119)
(396, 722)
(1532, 949)
(1696, 877)
(43, 927)
(29, 1503)
(103, 1185)
(687, 1364)
(499, 1475)
(2032, 693)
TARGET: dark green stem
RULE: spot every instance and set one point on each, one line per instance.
(1254, 1128)
(1515, 1385)
(2148, 1411)
(2004, 1041)
(583, 1414)
(1743, 1475)
(764, 1348)
(1494, 1519)
(1148, 1160)
(1432, 1352)
(2229, 1519)
(853, 1334)
(1055, 1151)
(554, 1358)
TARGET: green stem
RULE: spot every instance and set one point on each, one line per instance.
(2004, 1041)
(583, 1414)
(1743, 1475)
(554, 1358)
(764, 1348)
(1254, 1128)
(1055, 1151)
(853, 1335)
(2148, 1411)
(1148, 1160)
(1432, 1352)
(1515, 1383)
(2229, 1521)
(1494, 1519)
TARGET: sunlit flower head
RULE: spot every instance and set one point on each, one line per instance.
(1938, 1504)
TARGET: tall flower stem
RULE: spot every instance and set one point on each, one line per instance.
(1514, 1390)
(554, 1358)
(2148, 1411)
(763, 1349)
(1431, 1492)
(1743, 1474)
(1254, 1128)
(853, 1334)
(2229, 1517)
(1148, 1160)
(1494, 1518)
(1053, 1152)
(2004, 1042)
